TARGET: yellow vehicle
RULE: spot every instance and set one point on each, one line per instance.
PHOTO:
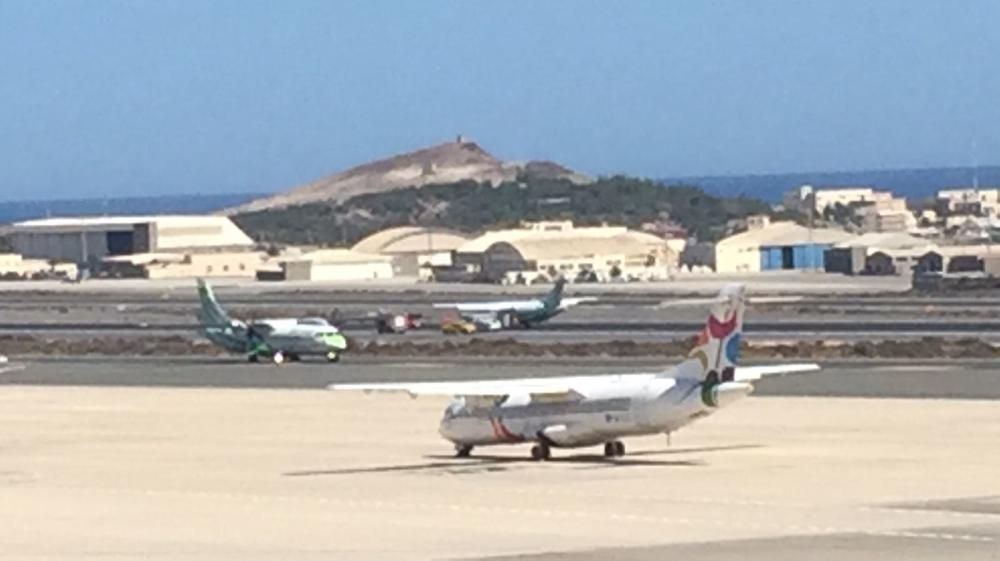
(457, 326)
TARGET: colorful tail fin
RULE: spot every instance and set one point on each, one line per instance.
(717, 347)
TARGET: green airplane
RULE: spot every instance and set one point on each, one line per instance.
(280, 340)
(511, 313)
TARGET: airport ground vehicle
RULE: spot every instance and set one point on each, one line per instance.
(398, 323)
(458, 326)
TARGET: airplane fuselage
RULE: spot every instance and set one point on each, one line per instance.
(284, 335)
(631, 406)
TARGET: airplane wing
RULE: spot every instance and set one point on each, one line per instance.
(570, 302)
(550, 385)
(489, 307)
(752, 373)
(564, 385)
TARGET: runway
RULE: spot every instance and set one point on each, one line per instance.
(247, 474)
(874, 379)
(572, 327)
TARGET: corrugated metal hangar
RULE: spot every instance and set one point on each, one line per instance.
(776, 247)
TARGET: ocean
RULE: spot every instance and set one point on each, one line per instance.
(911, 183)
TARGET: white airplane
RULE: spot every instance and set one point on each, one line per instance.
(277, 339)
(577, 411)
(506, 314)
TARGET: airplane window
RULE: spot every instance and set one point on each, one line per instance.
(313, 321)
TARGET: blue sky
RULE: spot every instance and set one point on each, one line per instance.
(111, 98)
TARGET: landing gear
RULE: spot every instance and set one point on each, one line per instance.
(463, 450)
(294, 357)
(614, 449)
(253, 357)
(332, 357)
(540, 452)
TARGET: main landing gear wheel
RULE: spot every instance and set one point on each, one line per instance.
(253, 357)
(463, 451)
(614, 449)
(332, 357)
(540, 452)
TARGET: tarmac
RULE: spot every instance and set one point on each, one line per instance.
(194, 459)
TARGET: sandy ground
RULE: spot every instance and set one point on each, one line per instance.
(161, 473)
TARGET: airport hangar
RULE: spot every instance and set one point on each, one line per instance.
(167, 246)
(410, 247)
(776, 246)
(544, 250)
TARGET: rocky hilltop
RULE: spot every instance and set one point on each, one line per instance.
(450, 162)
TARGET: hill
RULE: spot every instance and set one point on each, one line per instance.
(450, 162)
(911, 183)
(475, 206)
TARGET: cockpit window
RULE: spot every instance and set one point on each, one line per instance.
(455, 409)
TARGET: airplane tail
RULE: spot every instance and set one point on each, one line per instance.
(211, 313)
(717, 347)
(218, 327)
(554, 297)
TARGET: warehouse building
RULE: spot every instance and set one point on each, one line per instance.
(14, 267)
(957, 259)
(337, 265)
(878, 253)
(81, 240)
(775, 247)
(183, 265)
(544, 250)
(412, 246)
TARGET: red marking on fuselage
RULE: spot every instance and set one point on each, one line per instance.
(502, 432)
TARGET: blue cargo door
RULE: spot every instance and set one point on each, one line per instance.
(773, 259)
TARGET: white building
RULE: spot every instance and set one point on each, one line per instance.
(799, 199)
(337, 265)
(875, 219)
(971, 200)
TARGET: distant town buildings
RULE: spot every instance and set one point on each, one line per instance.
(806, 196)
(970, 201)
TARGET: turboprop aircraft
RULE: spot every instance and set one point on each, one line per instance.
(510, 313)
(277, 339)
(569, 412)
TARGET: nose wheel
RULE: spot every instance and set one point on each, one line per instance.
(463, 450)
(614, 449)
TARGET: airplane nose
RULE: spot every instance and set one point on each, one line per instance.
(446, 429)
